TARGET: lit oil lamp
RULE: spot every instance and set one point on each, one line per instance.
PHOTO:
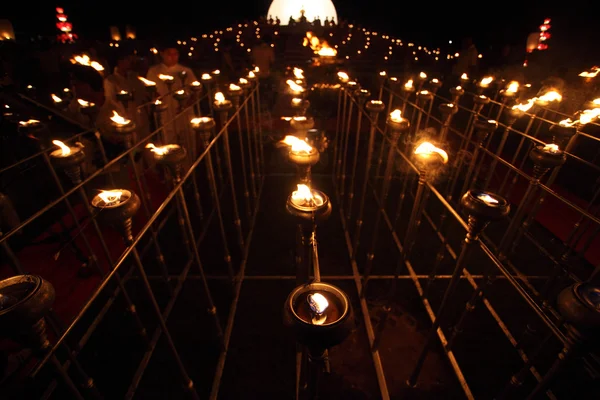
(428, 157)
(547, 98)
(296, 89)
(58, 102)
(435, 85)
(343, 77)
(170, 156)
(381, 78)
(124, 97)
(168, 80)
(320, 316)
(424, 96)
(448, 109)
(68, 159)
(235, 92)
(221, 104)
(148, 84)
(24, 302)
(301, 124)
(159, 106)
(245, 85)
(362, 95)
(29, 126)
(303, 155)
(456, 93)
(375, 107)
(301, 106)
(181, 97)
(421, 79)
(484, 83)
(203, 127)
(578, 304)
(545, 157)
(408, 87)
(87, 107)
(562, 132)
(117, 207)
(206, 77)
(352, 86)
(309, 204)
(123, 129)
(511, 90)
(464, 78)
(396, 123)
(480, 100)
(196, 87)
(483, 207)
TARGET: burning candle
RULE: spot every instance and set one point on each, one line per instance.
(318, 305)
(551, 148)
(343, 77)
(85, 104)
(63, 150)
(512, 88)
(422, 75)
(428, 152)
(216, 72)
(396, 116)
(206, 77)
(294, 87)
(251, 75)
(146, 82)
(305, 197)
(29, 123)
(119, 120)
(166, 78)
(234, 88)
(297, 145)
(408, 86)
(196, 83)
(298, 73)
(243, 81)
(487, 199)
(485, 82)
(220, 98)
(111, 198)
(383, 74)
(464, 77)
(296, 102)
(56, 99)
(163, 150)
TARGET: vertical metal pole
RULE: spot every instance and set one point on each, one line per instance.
(354, 162)
(260, 135)
(159, 254)
(251, 157)
(215, 195)
(499, 150)
(236, 103)
(345, 155)
(337, 141)
(374, 117)
(516, 155)
(236, 214)
(338, 165)
(259, 161)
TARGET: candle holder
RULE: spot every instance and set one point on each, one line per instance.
(159, 109)
(168, 80)
(124, 97)
(68, 159)
(222, 105)
(304, 157)
(428, 158)
(421, 79)
(235, 92)
(301, 124)
(317, 324)
(447, 110)
(314, 206)
(170, 156)
(88, 109)
(149, 85)
(561, 134)
(182, 75)
(203, 127)
(181, 96)
(423, 97)
(123, 130)
(196, 87)
(24, 301)
(435, 85)
(479, 101)
(117, 207)
(456, 93)
(545, 157)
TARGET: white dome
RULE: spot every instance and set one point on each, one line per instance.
(312, 8)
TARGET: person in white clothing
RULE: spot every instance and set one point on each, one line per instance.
(177, 126)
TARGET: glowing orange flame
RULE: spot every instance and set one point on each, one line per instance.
(321, 48)
(294, 86)
(219, 98)
(485, 82)
(65, 150)
(298, 73)
(165, 78)
(110, 197)
(146, 82)
(305, 196)
(297, 145)
(119, 120)
(592, 73)
(427, 149)
(55, 98)
(551, 148)
(486, 198)
(396, 116)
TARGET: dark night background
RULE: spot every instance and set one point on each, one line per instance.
(429, 23)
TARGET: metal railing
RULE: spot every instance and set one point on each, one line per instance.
(202, 190)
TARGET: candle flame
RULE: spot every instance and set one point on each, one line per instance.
(165, 78)
(485, 82)
(294, 86)
(297, 145)
(424, 92)
(123, 92)
(198, 120)
(180, 92)
(459, 88)
(234, 88)
(396, 115)
(84, 59)
(196, 83)
(55, 98)
(243, 81)
(110, 197)
(320, 47)
(161, 150)
(464, 77)
(219, 97)
(592, 73)
(216, 72)
(119, 120)
(524, 106)
(251, 75)
(157, 102)
(29, 122)
(206, 77)
(435, 81)
(383, 73)
(146, 82)
(551, 148)
(422, 75)
(296, 101)
(317, 302)
(426, 149)
(512, 87)
(84, 103)
(486, 198)
(549, 96)
(408, 84)
(305, 195)
(298, 73)
(65, 150)
(343, 76)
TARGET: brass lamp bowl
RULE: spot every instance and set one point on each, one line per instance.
(485, 205)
